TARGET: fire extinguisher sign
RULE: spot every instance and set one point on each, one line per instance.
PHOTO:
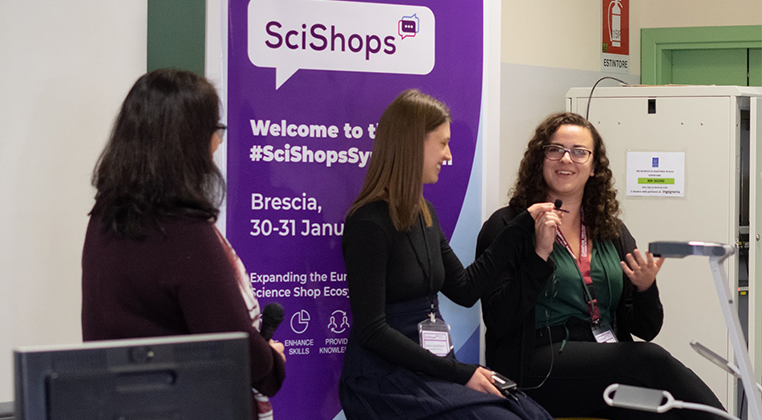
(615, 37)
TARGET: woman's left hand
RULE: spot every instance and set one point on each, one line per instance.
(641, 271)
(482, 381)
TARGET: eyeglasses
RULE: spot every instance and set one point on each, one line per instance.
(219, 129)
(577, 154)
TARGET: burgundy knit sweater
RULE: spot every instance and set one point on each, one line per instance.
(174, 282)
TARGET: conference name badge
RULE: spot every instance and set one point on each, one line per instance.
(603, 333)
(434, 336)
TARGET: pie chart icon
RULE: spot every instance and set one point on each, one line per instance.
(300, 321)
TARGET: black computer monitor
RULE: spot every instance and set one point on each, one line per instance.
(189, 377)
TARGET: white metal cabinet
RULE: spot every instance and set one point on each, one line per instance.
(755, 248)
(712, 126)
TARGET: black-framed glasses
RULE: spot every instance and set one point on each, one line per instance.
(220, 129)
(577, 154)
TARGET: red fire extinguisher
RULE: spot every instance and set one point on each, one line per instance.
(615, 22)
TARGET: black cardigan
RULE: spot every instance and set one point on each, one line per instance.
(509, 309)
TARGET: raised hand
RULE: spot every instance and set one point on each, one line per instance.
(641, 271)
(547, 220)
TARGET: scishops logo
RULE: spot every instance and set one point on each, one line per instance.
(290, 35)
(317, 39)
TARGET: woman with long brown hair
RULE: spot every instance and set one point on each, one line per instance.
(549, 333)
(399, 362)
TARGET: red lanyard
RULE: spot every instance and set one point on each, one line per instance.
(584, 267)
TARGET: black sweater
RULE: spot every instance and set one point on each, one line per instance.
(509, 310)
(387, 266)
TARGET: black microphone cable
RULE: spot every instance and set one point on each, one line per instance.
(590, 98)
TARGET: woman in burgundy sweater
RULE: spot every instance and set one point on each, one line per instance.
(153, 262)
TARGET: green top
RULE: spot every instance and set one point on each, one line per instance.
(564, 296)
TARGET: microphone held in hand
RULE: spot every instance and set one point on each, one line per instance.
(272, 316)
(558, 203)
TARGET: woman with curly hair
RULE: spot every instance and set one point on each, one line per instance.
(566, 336)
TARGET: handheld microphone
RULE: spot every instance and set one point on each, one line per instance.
(272, 316)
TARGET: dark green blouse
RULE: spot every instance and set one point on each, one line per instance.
(565, 295)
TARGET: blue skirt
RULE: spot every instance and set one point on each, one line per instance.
(373, 388)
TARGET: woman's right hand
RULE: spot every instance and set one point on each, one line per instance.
(537, 209)
(547, 220)
(482, 381)
(278, 347)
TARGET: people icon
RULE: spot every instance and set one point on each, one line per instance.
(334, 325)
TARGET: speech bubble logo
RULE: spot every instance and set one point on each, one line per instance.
(408, 26)
(293, 35)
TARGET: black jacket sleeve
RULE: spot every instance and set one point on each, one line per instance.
(639, 313)
(519, 285)
(486, 275)
(508, 310)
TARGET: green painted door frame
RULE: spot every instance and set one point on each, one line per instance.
(755, 67)
(657, 46)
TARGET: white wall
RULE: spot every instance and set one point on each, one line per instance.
(65, 67)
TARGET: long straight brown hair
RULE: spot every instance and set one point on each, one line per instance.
(395, 171)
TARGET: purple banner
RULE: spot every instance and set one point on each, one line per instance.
(307, 82)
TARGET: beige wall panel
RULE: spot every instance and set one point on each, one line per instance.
(66, 67)
(561, 34)
(683, 13)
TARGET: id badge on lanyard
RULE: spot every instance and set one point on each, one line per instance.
(602, 331)
(434, 335)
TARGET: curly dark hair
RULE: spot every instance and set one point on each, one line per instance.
(599, 203)
(158, 160)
